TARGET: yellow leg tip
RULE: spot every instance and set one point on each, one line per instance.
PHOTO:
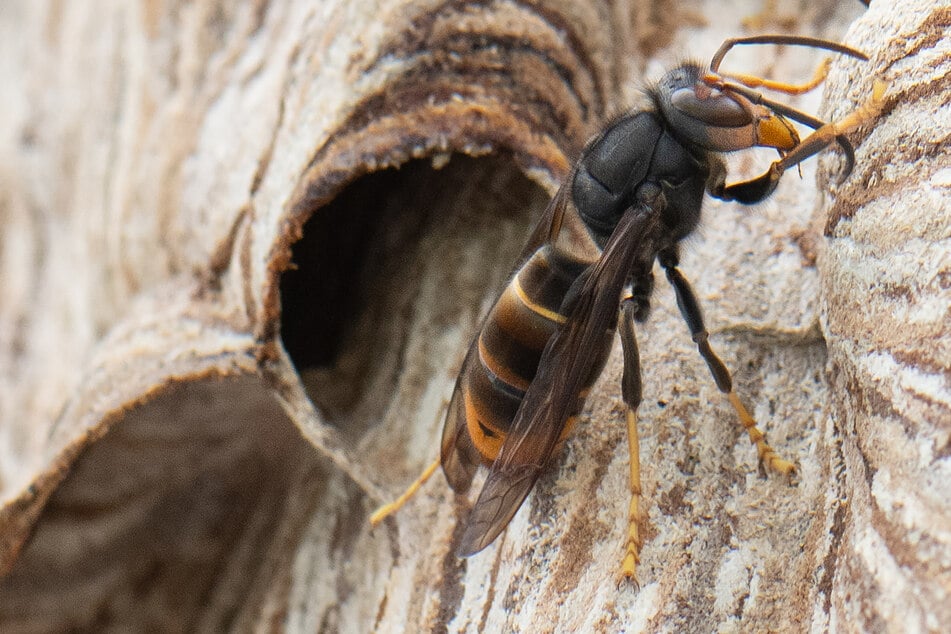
(767, 455)
(629, 570)
(783, 467)
(381, 514)
(629, 563)
(878, 91)
(388, 509)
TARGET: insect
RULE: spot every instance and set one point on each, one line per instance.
(586, 272)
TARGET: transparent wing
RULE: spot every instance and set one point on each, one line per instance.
(458, 455)
(547, 228)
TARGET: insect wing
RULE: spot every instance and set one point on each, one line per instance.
(458, 455)
(568, 359)
(549, 225)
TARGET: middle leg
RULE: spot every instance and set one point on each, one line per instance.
(631, 392)
(690, 310)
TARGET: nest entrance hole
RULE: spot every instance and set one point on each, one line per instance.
(391, 278)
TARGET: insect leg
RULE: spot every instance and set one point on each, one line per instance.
(756, 189)
(631, 392)
(386, 510)
(823, 136)
(690, 310)
(642, 287)
(753, 81)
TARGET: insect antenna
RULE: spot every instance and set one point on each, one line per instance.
(789, 40)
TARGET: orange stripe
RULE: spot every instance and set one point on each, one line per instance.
(520, 324)
(487, 446)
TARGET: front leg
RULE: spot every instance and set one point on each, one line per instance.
(690, 310)
(756, 189)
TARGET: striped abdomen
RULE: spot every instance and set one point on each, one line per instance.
(511, 344)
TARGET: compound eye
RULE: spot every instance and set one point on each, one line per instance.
(714, 108)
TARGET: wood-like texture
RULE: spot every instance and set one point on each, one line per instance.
(227, 326)
(886, 287)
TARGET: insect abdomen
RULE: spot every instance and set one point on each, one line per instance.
(510, 347)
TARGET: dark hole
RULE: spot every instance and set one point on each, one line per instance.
(399, 257)
(178, 505)
(319, 297)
